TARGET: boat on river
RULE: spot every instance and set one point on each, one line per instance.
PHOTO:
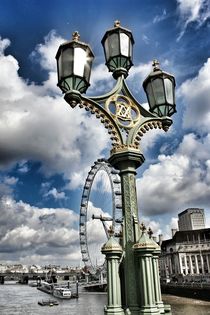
(33, 284)
(62, 292)
(48, 302)
(46, 287)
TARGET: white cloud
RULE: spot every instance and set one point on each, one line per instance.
(55, 194)
(161, 17)
(138, 73)
(192, 11)
(149, 139)
(177, 181)
(101, 80)
(146, 39)
(10, 180)
(45, 235)
(167, 229)
(62, 146)
(142, 70)
(23, 167)
(7, 185)
(154, 225)
(45, 53)
(37, 232)
(195, 95)
(4, 43)
(160, 227)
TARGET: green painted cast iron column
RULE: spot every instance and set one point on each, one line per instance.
(113, 252)
(144, 249)
(155, 265)
(127, 162)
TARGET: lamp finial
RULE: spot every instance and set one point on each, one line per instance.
(76, 36)
(111, 231)
(150, 232)
(156, 65)
(117, 23)
(143, 227)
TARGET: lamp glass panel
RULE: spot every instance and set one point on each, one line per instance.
(80, 60)
(66, 60)
(169, 90)
(158, 90)
(150, 95)
(87, 70)
(163, 110)
(114, 45)
(106, 46)
(124, 44)
(60, 67)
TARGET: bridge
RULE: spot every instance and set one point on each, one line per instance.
(23, 277)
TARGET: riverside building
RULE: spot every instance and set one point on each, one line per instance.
(187, 253)
(191, 219)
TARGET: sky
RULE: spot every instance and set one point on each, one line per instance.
(47, 148)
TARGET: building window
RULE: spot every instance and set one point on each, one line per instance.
(183, 261)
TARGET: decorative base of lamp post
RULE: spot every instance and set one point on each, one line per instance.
(167, 309)
(113, 252)
(161, 308)
(150, 310)
(146, 251)
(113, 310)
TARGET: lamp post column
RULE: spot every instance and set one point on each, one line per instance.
(127, 162)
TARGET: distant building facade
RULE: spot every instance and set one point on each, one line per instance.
(187, 253)
(191, 219)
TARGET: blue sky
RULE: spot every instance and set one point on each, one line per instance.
(47, 149)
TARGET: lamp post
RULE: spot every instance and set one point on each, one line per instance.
(126, 121)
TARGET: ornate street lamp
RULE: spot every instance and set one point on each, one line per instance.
(159, 87)
(74, 61)
(126, 121)
(118, 48)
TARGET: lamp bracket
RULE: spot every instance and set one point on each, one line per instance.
(123, 116)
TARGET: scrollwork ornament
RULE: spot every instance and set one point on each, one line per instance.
(123, 111)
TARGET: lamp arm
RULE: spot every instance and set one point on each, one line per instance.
(101, 113)
(144, 112)
(145, 125)
(115, 90)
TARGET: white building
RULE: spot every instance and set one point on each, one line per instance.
(191, 219)
(187, 253)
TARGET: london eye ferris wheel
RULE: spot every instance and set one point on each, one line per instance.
(101, 206)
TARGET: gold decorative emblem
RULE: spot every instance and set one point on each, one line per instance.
(122, 109)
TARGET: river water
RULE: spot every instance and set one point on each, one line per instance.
(23, 300)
